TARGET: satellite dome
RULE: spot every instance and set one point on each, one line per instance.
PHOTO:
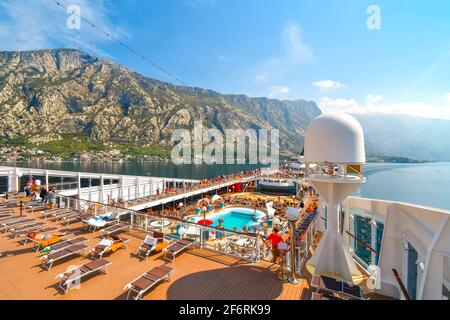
(335, 137)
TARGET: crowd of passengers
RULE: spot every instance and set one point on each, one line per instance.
(35, 191)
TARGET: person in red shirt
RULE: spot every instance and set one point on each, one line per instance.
(275, 238)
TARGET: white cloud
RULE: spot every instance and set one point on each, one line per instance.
(223, 58)
(447, 98)
(372, 104)
(343, 105)
(262, 77)
(373, 98)
(284, 68)
(37, 24)
(278, 91)
(295, 45)
(328, 84)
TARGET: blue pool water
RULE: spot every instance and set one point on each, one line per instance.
(236, 217)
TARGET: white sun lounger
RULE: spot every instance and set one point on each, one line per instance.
(24, 234)
(24, 230)
(15, 223)
(65, 244)
(116, 228)
(10, 219)
(62, 214)
(37, 244)
(73, 277)
(23, 225)
(53, 257)
(148, 281)
(94, 225)
(47, 213)
(179, 246)
(103, 246)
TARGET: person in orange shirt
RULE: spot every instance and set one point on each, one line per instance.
(275, 238)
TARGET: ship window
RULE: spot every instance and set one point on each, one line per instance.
(412, 275)
(445, 293)
(379, 238)
(446, 279)
(363, 232)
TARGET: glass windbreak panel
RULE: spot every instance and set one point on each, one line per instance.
(379, 238)
(363, 232)
(95, 182)
(342, 220)
(84, 182)
(412, 271)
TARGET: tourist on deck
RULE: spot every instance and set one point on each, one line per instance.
(276, 222)
(275, 238)
(52, 198)
(27, 192)
(43, 194)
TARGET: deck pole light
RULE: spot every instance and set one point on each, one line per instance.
(292, 215)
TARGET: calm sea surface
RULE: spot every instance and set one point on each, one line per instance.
(424, 184)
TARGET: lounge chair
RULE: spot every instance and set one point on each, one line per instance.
(99, 222)
(16, 224)
(28, 235)
(179, 246)
(64, 244)
(74, 217)
(36, 206)
(51, 212)
(115, 229)
(73, 277)
(108, 246)
(15, 232)
(7, 211)
(150, 245)
(12, 219)
(147, 281)
(67, 252)
(8, 219)
(47, 241)
(62, 214)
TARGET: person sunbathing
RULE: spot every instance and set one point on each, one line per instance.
(45, 239)
(108, 245)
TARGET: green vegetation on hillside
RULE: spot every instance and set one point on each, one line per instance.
(74, 145)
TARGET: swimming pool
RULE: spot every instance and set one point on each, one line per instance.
(236, 217)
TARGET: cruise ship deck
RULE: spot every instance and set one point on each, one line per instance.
(218, 268)
(200, 274)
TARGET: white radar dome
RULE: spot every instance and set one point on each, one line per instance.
(335, 137)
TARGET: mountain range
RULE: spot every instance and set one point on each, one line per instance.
(406, 136)
(46, 95)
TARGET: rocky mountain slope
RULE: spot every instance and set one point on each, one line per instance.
(48, 93)
(406, 136)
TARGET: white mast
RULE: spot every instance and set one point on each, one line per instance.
(335, 143)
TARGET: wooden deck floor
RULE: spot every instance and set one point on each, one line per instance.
(199, 275)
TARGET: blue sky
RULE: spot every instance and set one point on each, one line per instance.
(317, 50)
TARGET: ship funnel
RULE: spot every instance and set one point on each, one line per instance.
(334, 143)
